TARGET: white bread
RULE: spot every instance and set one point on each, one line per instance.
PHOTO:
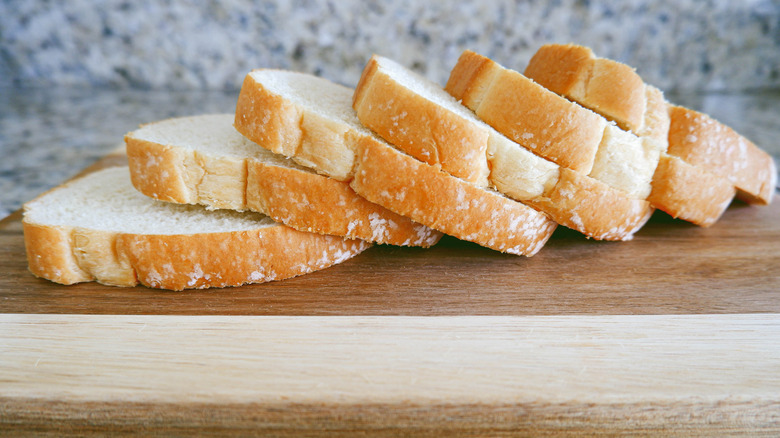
(551, 126)
(617, 92)
(603, 85)
(408, 110)
(689, 193)
(204, 160)
(302, 117)
(591, 207)
(427, 194)
(318, 105)
(413, 114)
(700, 140)
(547, 125)
(100, 228)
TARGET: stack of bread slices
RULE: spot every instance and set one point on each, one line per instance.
(308, 173)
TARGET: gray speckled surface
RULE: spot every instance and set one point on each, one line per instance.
(674, 44)
(48, 135)
(75, 76)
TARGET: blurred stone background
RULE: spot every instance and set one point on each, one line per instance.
(76, 75)
(688, 45)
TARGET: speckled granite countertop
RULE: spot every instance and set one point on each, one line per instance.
(180, 44)
(47, 135)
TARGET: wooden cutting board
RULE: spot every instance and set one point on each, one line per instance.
(675, 332)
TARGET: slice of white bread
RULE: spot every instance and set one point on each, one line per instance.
(551, 126)
(291, 113)
(428, 195)
(605, 86)
(424, 121)
(688, 192)
(616, 91)
(302, 117)
(100, 228)
(702, 141)
(204, 160)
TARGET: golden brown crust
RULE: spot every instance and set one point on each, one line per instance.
(703, 141)
(561, 68)
(687, 192)
(179, 262)
(49, 255)
(175, 174)
(149, 164)
(599, 206)
(542, 121)
(314, 203)
(417, 107)
(70, 254)
(297, 198)
(432, 197)
(280, 125)
(421, 128)
(593, 208)
(610, 88)
(656, 122)
(540, 179)
(596, 210)
(268, 119)
(197, 261)
(692, 136)
(470, 78)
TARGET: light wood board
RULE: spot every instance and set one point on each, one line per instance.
(676, 332)
(643, 373)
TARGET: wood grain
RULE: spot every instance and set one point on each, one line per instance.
(671, 267)
(674, 333)
(661, 374)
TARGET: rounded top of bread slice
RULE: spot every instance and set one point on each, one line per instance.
(610, 88)
(304, 117)
(540, 120)
(313, 93)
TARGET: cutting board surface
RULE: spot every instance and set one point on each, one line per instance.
(675, 331)
(671, 267)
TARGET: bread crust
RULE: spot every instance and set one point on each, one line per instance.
(593, 208)
(432, 197)
(176, 174)
(589, 206)
(68, 255)
(532, 183)
(49, 254)
(283, 127)
(178, 262)
(419, 127)
(297, 198)
(655, 126)
(524, 111)
(315, 203)
(702, 141)
(695, 137)
(360, 100)
(687, 192)
(268, 119)
(608, 87)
